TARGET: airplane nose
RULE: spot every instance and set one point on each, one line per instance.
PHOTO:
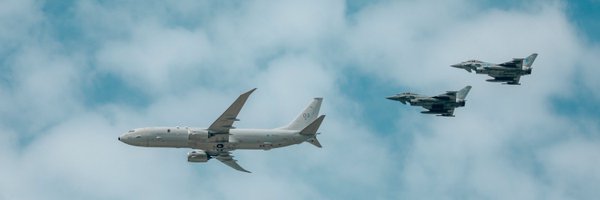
(392, 97)
(456, 65)
(123, 138)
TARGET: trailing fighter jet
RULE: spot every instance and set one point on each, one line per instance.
(508, 72)
(221, 138)
(442, 104)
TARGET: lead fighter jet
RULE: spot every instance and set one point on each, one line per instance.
(442, 104)
(508, 72)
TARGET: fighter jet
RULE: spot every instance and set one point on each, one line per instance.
(442, 105)
(508, 72)
(221, 137)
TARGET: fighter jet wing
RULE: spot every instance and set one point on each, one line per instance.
(443, 97)
(225, 121)
(227, 158)
(449, 95)
(515, 63)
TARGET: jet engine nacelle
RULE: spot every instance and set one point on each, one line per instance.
(198, 156)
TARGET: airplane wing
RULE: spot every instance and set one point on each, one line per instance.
(515, 63)
(225, 121)
(443, 97)
(449, 95)
(227, 158)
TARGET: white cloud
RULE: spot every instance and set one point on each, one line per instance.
(155, 57)
(506, 144)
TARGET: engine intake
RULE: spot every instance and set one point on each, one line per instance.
(198, 156)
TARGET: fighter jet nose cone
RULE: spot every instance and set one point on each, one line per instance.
(456, 65)
(391, 97)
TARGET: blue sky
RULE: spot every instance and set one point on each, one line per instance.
(76, 74)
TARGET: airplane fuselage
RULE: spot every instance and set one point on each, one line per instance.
(418, 100)
(499, 71)
(199, 138)
(428, 101)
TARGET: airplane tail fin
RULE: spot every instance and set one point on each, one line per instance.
(462, 94)
(306, 117)
(311, 130)
(529, 60)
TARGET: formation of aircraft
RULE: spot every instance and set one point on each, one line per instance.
(221, 137)
(442, 105)
(509, 72)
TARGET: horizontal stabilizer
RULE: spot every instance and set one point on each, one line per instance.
(315, 142)
(313, 127)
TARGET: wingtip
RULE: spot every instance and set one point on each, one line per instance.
(249, 92)
(321, 117)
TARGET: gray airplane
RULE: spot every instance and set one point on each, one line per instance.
(221, 138)
(508, 72)
(442, 105)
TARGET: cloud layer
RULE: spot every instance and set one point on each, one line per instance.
(74, 76)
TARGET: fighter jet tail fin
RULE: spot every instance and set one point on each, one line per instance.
(462, 94)
(529, 60)
(306, 117)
